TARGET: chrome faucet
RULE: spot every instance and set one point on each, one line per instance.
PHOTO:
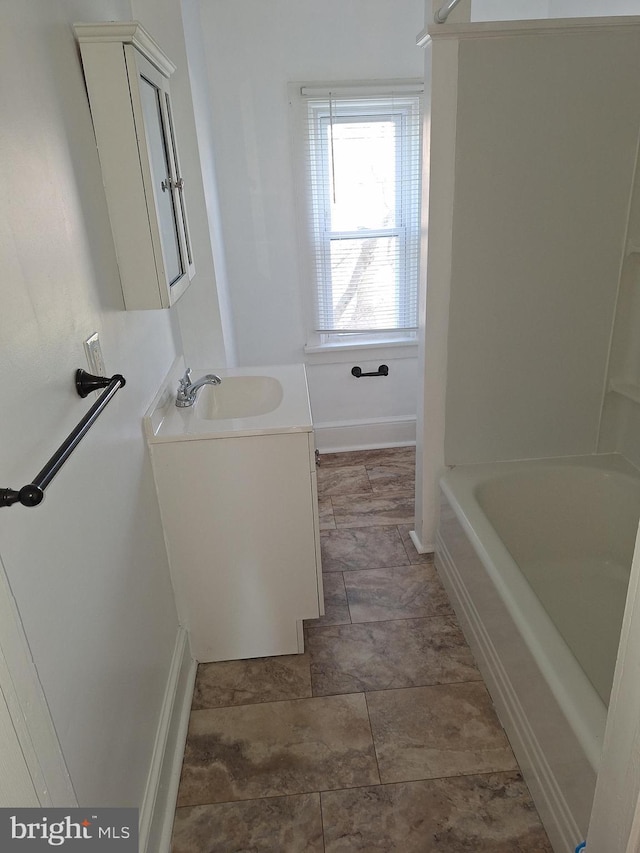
(188, 391)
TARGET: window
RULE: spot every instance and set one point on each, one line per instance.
(363, 200)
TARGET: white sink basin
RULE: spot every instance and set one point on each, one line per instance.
(250, 401)
(239, 397)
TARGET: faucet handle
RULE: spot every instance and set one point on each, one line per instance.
(186, 379)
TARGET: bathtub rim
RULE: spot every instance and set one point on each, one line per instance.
(576, 696)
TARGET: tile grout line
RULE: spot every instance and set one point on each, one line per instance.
(346, 596)
(464, 775)
(447, 616)
(373, 740)
(324, 840)
(367, 690)
(403, 545)
(346, 693)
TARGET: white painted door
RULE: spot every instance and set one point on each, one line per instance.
(16, 785)
(32, 768)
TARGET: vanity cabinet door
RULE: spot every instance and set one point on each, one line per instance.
(240, 522)
(127, 78)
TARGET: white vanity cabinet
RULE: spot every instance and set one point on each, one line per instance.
(127, 77)
(239, 509)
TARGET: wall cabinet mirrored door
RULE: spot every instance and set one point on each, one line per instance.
(164, 172)
(128, 84)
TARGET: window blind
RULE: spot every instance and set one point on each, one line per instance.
(363, 150)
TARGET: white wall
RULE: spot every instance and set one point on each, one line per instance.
(509, 10)
(199, 79)
(350, 413)
(595, 8)
(253, 50)
(88, 567)
(514, 10)
(205, 323)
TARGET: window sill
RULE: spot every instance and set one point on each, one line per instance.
(317, 353)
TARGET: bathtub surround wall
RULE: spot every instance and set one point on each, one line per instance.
(524, 259)
(253, 50)
(620, 427)
(534, 284)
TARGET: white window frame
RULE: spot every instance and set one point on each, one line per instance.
(388, 98)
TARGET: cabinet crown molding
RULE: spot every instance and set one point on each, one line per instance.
(126, 32)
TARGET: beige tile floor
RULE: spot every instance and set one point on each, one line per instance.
(382, 736)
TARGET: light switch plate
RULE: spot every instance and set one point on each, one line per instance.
(93, 351)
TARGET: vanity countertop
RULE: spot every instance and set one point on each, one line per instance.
(165, 422)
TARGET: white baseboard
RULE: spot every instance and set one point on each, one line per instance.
(158, 807)
(340, 436)
(417, 544)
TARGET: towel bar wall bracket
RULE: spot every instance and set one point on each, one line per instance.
(30, 495)
(33, 493)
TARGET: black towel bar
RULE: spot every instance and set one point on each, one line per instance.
(383, 370)
(33, 493)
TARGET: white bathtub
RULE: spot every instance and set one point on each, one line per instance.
(536, 557)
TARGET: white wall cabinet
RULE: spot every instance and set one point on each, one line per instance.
(127, 77)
